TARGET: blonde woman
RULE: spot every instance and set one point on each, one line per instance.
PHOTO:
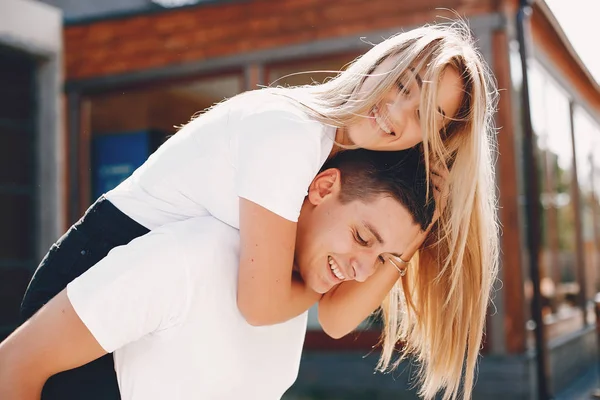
(248, 162)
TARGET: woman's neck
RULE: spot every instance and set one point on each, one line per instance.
(340, 138)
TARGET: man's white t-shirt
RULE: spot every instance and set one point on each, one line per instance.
(165, 304)
(258, 146)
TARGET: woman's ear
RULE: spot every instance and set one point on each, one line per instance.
(325, 185)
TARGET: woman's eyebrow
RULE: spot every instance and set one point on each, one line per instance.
(420, 84)
(417, 77)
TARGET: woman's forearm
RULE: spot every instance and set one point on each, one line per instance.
(342, 309)
(266, 292)
(278, 307)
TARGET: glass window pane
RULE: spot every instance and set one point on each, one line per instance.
(551, 122)
(587, 148)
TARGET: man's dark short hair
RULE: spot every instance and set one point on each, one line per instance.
(367, 174)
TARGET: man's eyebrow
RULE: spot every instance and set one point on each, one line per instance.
(372, 229)
(420, 84)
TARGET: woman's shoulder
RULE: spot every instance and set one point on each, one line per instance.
(269, 103)
(273, 117)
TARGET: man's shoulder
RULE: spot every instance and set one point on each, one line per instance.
(207, 249)
(202, 235)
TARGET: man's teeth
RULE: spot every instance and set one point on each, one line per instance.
(380, 121)
(336, 269)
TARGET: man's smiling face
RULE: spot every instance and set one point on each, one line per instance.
(339, 241)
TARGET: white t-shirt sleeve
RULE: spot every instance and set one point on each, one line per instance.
(135, 290)
(279, 154)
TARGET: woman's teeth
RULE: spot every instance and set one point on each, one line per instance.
(336, 269)
(380, 121)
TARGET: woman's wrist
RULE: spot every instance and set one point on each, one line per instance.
(400, 264)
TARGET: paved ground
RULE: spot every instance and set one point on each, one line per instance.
(583, 388)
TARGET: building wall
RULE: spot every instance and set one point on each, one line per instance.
(200, 33)
(35, 30)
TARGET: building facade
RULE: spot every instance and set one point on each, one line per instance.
(32, 149)
(135, 69)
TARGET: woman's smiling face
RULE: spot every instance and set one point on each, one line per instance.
(394, 123)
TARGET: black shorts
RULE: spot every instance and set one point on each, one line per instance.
(102, 228)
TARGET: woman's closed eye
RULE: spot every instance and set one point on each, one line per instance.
(403, 89)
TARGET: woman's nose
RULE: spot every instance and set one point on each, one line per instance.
(397, 117)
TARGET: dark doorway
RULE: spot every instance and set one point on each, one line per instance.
(17, 182)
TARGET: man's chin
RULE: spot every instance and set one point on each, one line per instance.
(321, 287)
(321, 290)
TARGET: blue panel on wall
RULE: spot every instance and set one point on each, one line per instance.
(115, 157)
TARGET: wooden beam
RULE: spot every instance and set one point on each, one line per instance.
(513, 286)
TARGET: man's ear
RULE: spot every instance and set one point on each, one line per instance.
(326, 184)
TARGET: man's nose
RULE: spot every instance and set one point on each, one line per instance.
(364, 266)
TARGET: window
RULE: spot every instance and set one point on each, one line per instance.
(587, 152)
(550, 113)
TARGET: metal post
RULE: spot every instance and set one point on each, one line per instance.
(532, 206)
(582, 296)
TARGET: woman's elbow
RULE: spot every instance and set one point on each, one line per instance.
(334, 331)
(334, 334)
(254, 316)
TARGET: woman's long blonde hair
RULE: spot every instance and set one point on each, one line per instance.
(438, 309)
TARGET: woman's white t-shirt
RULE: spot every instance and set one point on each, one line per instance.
(258, 146)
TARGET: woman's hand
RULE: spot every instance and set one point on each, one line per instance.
(439, 177)
(440, 182)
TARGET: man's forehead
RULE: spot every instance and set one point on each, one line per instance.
(388, 221)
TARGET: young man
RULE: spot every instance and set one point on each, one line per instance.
(165, 304)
